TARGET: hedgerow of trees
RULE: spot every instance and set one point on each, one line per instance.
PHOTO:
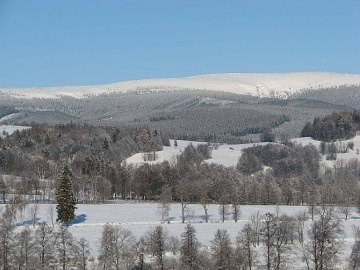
(337, 126)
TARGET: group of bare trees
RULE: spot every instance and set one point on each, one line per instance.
(42, 246)
(355, 251)
(271, 241)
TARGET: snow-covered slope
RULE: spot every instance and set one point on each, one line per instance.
(10, 129)
(258, 84)
(228, 155)
(225, 154)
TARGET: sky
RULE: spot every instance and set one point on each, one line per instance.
(87, 42)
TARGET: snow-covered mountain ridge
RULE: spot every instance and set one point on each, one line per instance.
(256, 84)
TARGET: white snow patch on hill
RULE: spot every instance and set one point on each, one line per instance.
(257, 84)
(341, 157)
(228, 155)
(10, 129)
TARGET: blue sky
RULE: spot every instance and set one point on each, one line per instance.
(84, 42)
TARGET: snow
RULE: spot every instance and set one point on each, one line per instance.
(8, 117)
(228, 154)
(139, 217)
(10, 129)
(257, 84)
(341, 157)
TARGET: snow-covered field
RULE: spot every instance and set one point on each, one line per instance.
(257, 84)
(10, 129)
(341, 157)
(228, 154)
(139, 217)
(225, 154)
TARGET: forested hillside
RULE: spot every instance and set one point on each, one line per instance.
(193, 115)
(6, 110)
(347, 95)
(271, 174)
(30, 160)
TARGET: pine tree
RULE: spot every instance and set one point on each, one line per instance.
(66, 203)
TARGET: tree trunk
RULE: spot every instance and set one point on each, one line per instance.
(183, 206)
(206, 213)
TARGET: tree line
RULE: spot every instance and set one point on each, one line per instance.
(6, 110)
(287, 173)
(340, 125)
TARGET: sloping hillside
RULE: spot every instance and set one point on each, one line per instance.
(216, 108)
(229, 154)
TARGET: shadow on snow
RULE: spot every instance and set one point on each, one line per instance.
(78, 219)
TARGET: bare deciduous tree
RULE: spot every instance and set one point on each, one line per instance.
(155, 243)
(51, 213)
(189, 248)
(23, 254)
(83, 253)
(33, 211)
(117, 250)
(184, 190)
(283, 231)
(354, 260)
(44, 245)
(324, 244)
(235, 203)
(222, 251)
(66, 248)
(7, 224)
(164, 203)
(245, 254)
(255, 221)
(300, 225)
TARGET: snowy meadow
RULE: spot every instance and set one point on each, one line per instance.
(140, 218)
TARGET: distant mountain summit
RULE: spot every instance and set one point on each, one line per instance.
(280, 85)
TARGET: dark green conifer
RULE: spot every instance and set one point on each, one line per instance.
(66, 203)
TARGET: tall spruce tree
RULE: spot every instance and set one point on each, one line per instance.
(66, 203)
